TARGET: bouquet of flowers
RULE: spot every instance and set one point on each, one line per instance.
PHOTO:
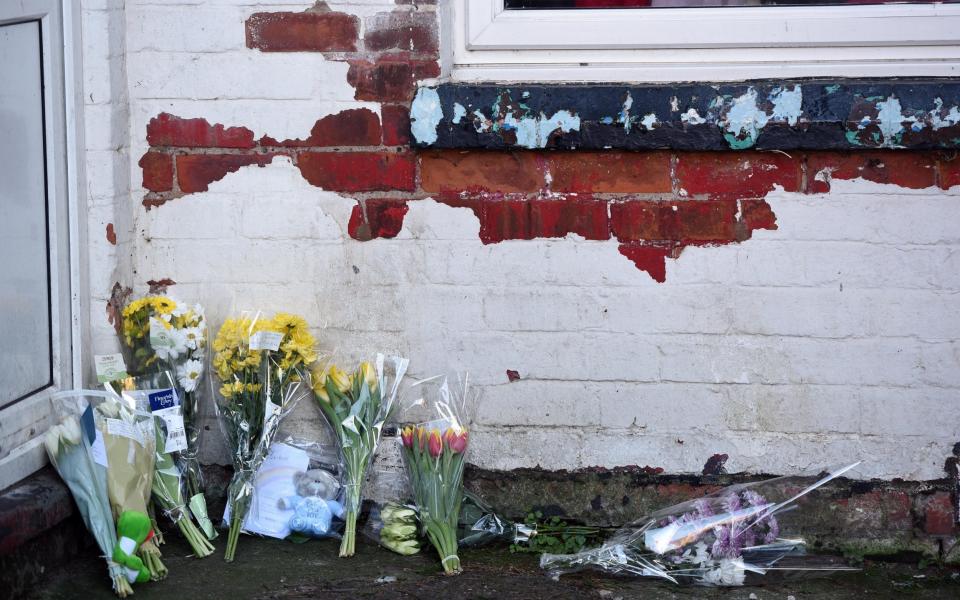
(129, 446)
(70, 453)
(719, 539)
(433, 453)
(159, 334)
(262, 367)
(156, 395)
(357, 406)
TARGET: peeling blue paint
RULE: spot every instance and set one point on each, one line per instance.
(459, 112)
(764, 115)
(425, 115)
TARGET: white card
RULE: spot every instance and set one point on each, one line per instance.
(165, 404)
(124, 429)
(98, 452)
(266, 340)
(274, 482)
(110, 367)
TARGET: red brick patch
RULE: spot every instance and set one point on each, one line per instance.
(157, 171)
(383, 218)
(359, 171)
(407, 30)
(396, 125)
(612, 172)
(169, 130)
(302, 32)
(913, 170)
(391, 78)
(737, 174)
(555, 218)
(195, 172)
(353, 127)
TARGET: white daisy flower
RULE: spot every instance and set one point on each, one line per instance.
(193, 337)
(189, 375)
(177, 345)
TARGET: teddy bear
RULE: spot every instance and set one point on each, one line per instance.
(315, 504)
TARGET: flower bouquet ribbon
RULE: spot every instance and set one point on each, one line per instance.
(720, 539)
(159, 333)
(434, 453)
(262, 367)
(357, 406)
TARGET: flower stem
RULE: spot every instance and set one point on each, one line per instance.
(348, 545)
(232, 538)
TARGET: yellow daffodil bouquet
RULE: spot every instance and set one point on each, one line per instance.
(357, 406)
(161, 334)
(262, 368)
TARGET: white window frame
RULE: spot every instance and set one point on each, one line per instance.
(24, 423)
(489, 42)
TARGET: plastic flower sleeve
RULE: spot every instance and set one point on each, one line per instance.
(723, 539)
(297, 490)
(434, 452)
(155, 394)
(395, 527)
(357, 405)
(479, 525)
(76, 451)
(261, 364)
(159, 333)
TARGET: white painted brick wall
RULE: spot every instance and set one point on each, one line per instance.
(829, 340)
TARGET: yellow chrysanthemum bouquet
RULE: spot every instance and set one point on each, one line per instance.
(263, 369)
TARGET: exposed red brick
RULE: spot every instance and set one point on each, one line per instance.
(689, 222)
(757, 214)
(353, 127)
(396, 125)
(512, 375)
(159, 286)
(938, 515)
(885, 510)
(407, 30)
(391, 78)
(170, 130)
(302, 32)
(556, 218)
(737, 174)
(501, 172)
(907, 169)
(616, 172)
(157, 171)
(195, 172)
(384, 218)
(505, 220)
(949, 171)
(359, 171)
(652, 259)
(111, 234)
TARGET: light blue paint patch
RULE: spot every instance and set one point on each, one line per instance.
(916, 126)
(534, 132)
(832, 89)
(787, 105)
(625, 112)
(480, 122)
(890, 121)
(607, 120)
(938, 120)
(649, 121)
(743, 121)
(459, 112)
(425, 115)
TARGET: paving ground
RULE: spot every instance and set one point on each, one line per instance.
(277, 570)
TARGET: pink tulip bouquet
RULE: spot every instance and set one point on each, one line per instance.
(434, 454)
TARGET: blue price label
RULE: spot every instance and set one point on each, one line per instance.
(162, 399)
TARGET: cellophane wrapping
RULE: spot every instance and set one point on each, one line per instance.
(262, 367)
(434, 453)
(728, 538)
(357, 406)
(159, 334)
(76, 452)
